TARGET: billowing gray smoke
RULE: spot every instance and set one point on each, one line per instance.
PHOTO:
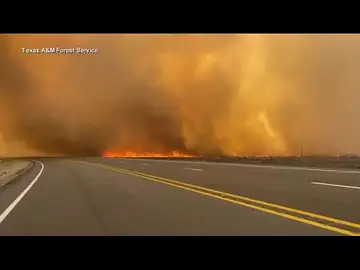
(196, 94)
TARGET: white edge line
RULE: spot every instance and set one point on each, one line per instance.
(193, 169)
(251, 166)
(334, 185)
(18, 199)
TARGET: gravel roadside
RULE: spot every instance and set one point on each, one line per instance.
(10, 169)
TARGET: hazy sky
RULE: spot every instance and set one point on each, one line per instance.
(203, 94)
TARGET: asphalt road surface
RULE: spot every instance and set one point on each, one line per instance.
(111, 196)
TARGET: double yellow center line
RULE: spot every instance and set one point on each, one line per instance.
(270, 208)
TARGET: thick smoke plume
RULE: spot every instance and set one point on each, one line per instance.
(195, 94)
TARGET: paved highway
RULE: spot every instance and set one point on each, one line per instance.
(111, 196)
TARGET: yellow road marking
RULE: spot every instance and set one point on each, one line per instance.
(197, 189)
(297, 211)
(301, 212)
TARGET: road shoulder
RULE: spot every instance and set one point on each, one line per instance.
(11, 169)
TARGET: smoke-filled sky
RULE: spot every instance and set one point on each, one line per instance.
(196, 94)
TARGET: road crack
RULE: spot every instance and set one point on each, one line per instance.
(87, 196)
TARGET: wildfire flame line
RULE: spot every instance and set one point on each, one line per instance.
(145, 154)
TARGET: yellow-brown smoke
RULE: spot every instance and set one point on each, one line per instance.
(193, 94)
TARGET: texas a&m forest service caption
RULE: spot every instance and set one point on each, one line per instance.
(59, 50)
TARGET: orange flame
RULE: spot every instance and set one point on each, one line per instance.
(144, 154)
